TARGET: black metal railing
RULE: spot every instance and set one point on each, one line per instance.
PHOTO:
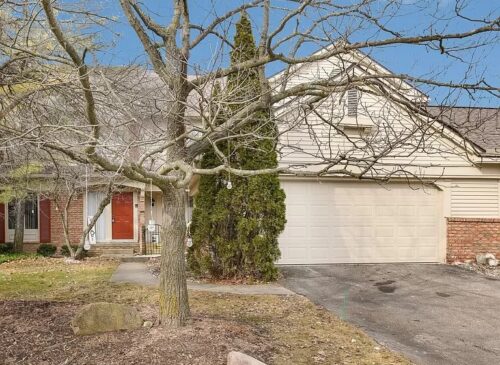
(151, 239)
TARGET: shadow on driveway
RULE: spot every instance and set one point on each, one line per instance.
(433, 314)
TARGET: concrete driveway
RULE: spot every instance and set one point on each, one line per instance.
(433, 314)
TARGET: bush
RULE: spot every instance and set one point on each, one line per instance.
(65, 251)
(46, 249)
(6, 247)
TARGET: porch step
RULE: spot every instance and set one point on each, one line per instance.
(114, 255)
(113, 250)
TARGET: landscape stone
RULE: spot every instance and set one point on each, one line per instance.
(105, 317)
(492, 262)
(482, 258)
(239, 358)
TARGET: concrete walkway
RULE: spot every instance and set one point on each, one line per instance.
(138, 273)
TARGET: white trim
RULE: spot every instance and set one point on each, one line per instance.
(442, 226)
(355, 54)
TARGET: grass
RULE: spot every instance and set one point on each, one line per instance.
(7, 257)
(299, 331)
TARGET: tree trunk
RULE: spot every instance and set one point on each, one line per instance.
(174, 304)
(19, 227)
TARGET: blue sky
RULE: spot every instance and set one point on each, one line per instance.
(413, 17)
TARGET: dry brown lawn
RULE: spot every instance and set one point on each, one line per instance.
(38, 298)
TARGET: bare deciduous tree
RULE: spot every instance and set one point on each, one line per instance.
(64, 186)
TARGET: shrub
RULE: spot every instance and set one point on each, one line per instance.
(46, 249)
(6, 247)
(65, 251)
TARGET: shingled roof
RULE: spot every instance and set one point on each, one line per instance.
(480, 125)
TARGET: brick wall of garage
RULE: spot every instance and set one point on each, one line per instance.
(467, 237)
(75, 222)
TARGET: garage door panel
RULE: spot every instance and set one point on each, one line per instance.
(406, 251)
(357, 222)
(406, 231)
(319, 253)
(406, 241)
(362, 211)
(377, 254)
(406, 211)
(322, 232)
(296, 255)
(298, 231)
(426, 231)
(341, 254)
(426, 251)
(384, 231)
(386, 210)
(296, 208)
(342, 210)
(362, 231)
(427, 211)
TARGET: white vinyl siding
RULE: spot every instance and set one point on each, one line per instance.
(478, 198)
(307, 139)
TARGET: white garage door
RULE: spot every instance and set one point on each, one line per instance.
(332, 222)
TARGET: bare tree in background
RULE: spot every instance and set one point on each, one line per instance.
(65, 184)
(18, 176)
(152, 124)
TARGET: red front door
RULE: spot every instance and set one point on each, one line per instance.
(122, 210)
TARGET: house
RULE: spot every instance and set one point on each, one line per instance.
(433, 196)
(442, 201)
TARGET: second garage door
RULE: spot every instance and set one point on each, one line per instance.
(332, 222)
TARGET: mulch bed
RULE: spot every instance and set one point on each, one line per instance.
(38, 332)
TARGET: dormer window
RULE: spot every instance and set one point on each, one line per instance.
(352, 103)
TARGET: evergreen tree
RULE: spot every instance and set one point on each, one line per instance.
(235, 231)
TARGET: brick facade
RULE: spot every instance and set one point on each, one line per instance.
(467, 237)
(75, 222)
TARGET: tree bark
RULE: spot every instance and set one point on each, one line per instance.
(19, 227)
(104, 202)
(174, 304)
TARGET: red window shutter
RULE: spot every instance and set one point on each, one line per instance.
(44, 220)
(2, 223)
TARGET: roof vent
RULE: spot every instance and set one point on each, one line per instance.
(352, 103)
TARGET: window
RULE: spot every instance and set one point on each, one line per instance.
(30, 213)
(100, 228)
(12, 215)
(352, 103)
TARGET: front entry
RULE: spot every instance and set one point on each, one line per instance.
(122, 211)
